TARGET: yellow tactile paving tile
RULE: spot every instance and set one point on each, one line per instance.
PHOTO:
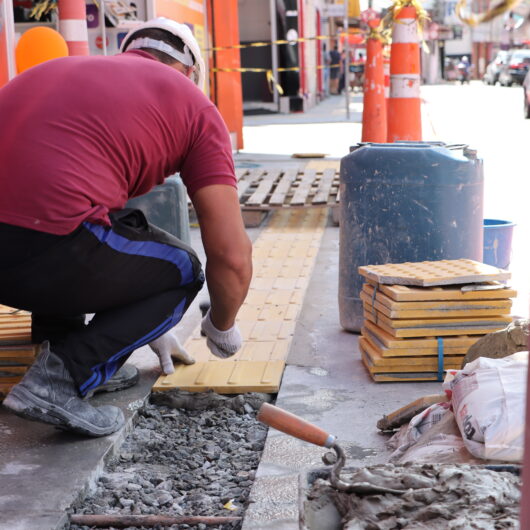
(406, 293)
(283, 260)
(380, 364)
(441, 331)
(229, 377)
(275, 350)
(367, 295)
(430, 273)
(424, 347)
(407, 313)
(379, 318)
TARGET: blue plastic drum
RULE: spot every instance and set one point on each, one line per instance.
(405, 202)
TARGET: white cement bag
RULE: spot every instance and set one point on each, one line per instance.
(488, 399)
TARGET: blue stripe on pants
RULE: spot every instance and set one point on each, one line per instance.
(104, 371)
(151, 249)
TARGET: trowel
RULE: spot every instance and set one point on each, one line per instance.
(297, 427)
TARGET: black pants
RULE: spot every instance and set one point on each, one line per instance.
(136, 278)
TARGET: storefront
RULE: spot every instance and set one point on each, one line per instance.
(213, 22)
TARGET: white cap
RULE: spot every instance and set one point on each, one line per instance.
(191, 46)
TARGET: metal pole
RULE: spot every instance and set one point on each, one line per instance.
(6, 10)
(206, 42)
(102, 26)
(347, 70)
(274, 50)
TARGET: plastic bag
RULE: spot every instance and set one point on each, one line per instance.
(488, 399)
(431, 436)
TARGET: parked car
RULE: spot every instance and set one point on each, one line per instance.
(526, 92)
(494, 68)
(515, 67)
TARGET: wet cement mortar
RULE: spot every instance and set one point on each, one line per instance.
(189, 454)
(435, 497)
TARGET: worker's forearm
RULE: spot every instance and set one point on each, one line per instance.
(228, 286)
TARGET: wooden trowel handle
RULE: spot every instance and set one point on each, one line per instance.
(294, 426)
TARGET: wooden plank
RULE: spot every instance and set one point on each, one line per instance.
(283, 187)
(305, 183)
(264, 187)
(322, 194)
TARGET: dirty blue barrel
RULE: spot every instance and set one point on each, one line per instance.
(166, 206)
(498, 242)
(402, 202)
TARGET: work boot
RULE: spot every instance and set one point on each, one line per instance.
(125, 377)
(48, 394)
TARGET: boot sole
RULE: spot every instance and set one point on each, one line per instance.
(114, 386)
(30, 407)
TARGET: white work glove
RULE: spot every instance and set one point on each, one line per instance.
(167, 347)
(222, 344)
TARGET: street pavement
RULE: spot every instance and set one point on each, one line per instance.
(43, 471)
(325, 381)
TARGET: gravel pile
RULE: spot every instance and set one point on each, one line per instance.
(189, 454)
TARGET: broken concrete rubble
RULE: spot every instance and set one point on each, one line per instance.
(501, 343)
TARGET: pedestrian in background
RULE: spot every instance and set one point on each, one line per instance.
(334, 70)
(102, 130)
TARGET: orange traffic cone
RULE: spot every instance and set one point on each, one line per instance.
(374, 109)
(72, 26)
(404, 104)
(386, 64)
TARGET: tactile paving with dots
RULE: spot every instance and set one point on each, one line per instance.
(405, 293)
(283, 259)
(428, 273)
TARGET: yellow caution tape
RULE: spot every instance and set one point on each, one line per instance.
(380, 33)
(273, 83)
(42, 8)
(259, 44)
(265, 70)
(423, 17)
(494, 12)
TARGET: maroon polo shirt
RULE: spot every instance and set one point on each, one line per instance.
(79, 136)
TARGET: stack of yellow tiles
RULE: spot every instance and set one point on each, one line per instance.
(421, 318)
(16, 351)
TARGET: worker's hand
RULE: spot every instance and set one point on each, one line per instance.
(168, 348)
(222, 344)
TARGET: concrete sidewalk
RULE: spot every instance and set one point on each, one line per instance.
(42, 471)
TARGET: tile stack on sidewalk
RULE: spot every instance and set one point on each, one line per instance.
(16, 351)
(421, 318)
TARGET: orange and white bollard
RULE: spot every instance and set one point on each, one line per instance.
(374, 102)
(404, 104)
(73, 26)
(386, 68)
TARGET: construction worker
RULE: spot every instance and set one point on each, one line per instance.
(80, 136)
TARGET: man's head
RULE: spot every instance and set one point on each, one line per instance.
(170, 43)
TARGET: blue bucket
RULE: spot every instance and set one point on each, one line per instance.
(498, 242)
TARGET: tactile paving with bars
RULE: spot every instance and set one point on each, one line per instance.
(416, 333)
(283, 259)
(16, 351)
